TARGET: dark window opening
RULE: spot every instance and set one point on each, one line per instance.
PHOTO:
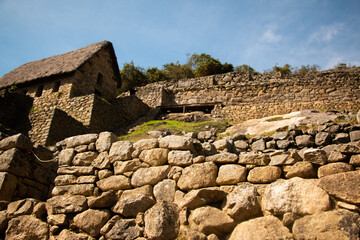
(206, 108)
(99, 80)
(39, 90)
(97, 92)
(56, 86)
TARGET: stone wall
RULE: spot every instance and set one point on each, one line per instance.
(300, 184)
(240, 96)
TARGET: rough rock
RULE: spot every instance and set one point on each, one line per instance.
(208, 149)
(341, 138)
(338, 224)
(316, 156)
(281, 159)
(21, 207)
(355, 160)
(258, 145)
(265, 174)
(149, 176)
(231, 174)
(161, 221)
(121, 167)
(180, 158)
(27, 227)
(322, 139)
(254, 159)
(68, 235)
(66, 156)
(3, 221)
(57, 219)
(19, 141)
(133, 201)
(104, 141)
(222, 144)
(175, 173)
(115, 182)
(268, 227)
(66, 204)
(76, 170)
(124, 229)
(241, 145)
(106, 199)
(305, 141)
(223, 157)
(101, 161)
(190, 176)
(145, 144)
(242, 203)
(176, 142)
(76, 189)
(7, 186)
(280, 135)
(336, 156)
(84, 158)
(283, 144)
(333, 168)
(355, 136)
(199, 197)
(297, 195)
(120, 151)
(91, 221)
(344, 186)
(165, 190)
(155, 156)
(189, 234)
(14, 161)
(300, 169)
(210, 220)
(84, 139)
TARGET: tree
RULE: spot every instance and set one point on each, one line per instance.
(155, 75)
(204, 65)
(309, 68)
(132, 76)
(176, 71)
(246, 68)
(227, 67)
(285, 70)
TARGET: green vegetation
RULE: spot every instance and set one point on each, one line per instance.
(246, 68)
(175, 127)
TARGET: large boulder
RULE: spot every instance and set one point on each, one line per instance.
(344, 186)
(268, 227)
(27, 227)
(333, 168)
(231, 174)
(180, 158)
(297, 195)
(199, 197)
(91, 221)
(165, 190)
(120, 151)
(145, 144)
(121, 167)
(176, 142)
(66, 156)
(84, 139)
(105, 140)
(19, 141)
(300, 169)
(155, 156)
(84, 158)
(198, 176)
(338, 224)
(210, 220)
(149, 176)
(162, 221)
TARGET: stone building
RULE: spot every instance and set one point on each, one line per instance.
(74, 93)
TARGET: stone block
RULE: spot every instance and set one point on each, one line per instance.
(7, 186)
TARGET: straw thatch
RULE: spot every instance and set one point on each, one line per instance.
(55, 65)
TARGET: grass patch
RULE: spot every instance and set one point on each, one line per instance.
(274, 119)
(175, 127)
(343, 119)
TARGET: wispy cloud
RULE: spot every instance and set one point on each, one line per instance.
(326, 33)
(270, 35)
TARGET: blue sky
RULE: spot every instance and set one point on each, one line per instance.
(260, 33)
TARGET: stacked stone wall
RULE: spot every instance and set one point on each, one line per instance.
(293, 184)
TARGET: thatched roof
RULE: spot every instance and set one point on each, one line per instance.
(56, 65)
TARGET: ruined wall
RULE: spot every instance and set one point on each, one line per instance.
(242, 97)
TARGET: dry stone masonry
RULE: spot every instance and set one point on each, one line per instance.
(297, 184)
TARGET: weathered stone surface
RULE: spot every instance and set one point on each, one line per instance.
(344, 186)
(231, 174)
(124, 229)
(341, 138)
(21, 207)
(305, 141)
(208, 149)
(338, 224)
(81, 148)
(15, 162)
(57, 219)
(121, 167)
(180, 158)
(175, 173)
(223, 157)
(281, 159)
(333, 168)
(3, 221)
(165, 190)
(84, 158)
(68, 235)
(205, 135)
(350, 148)
(265, 174)
(133, 201)
(254, 159)
(19, 141)
(85, 139)
(258, 145)
(76, 189)
(155, 156)
(75, 170)
(289, 218)
(66, 204)
(27, 227)
(241, 145)
(149, 176)
(86, 179)
(7, 186)
(242, 203)
(145, 144)
(199, 197)
(355, 160)
(268, 227)
(189, 234)
(106, 199)
(336, 156)
(176, 142)
(104, 173)
(66, 156)
(101, 161)
(161, 221)
(297, 195)
(322, 139)
(315, 156)
(120, 151)
(198, 175)
(210, 220)
(105, 140)
(91, 221)
(300, 169)
(116, 182)
(222, 144)
(283, 144)
(355, 135)
(65, 180)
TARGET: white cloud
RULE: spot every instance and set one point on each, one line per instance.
(326, 33)
(270, 36)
